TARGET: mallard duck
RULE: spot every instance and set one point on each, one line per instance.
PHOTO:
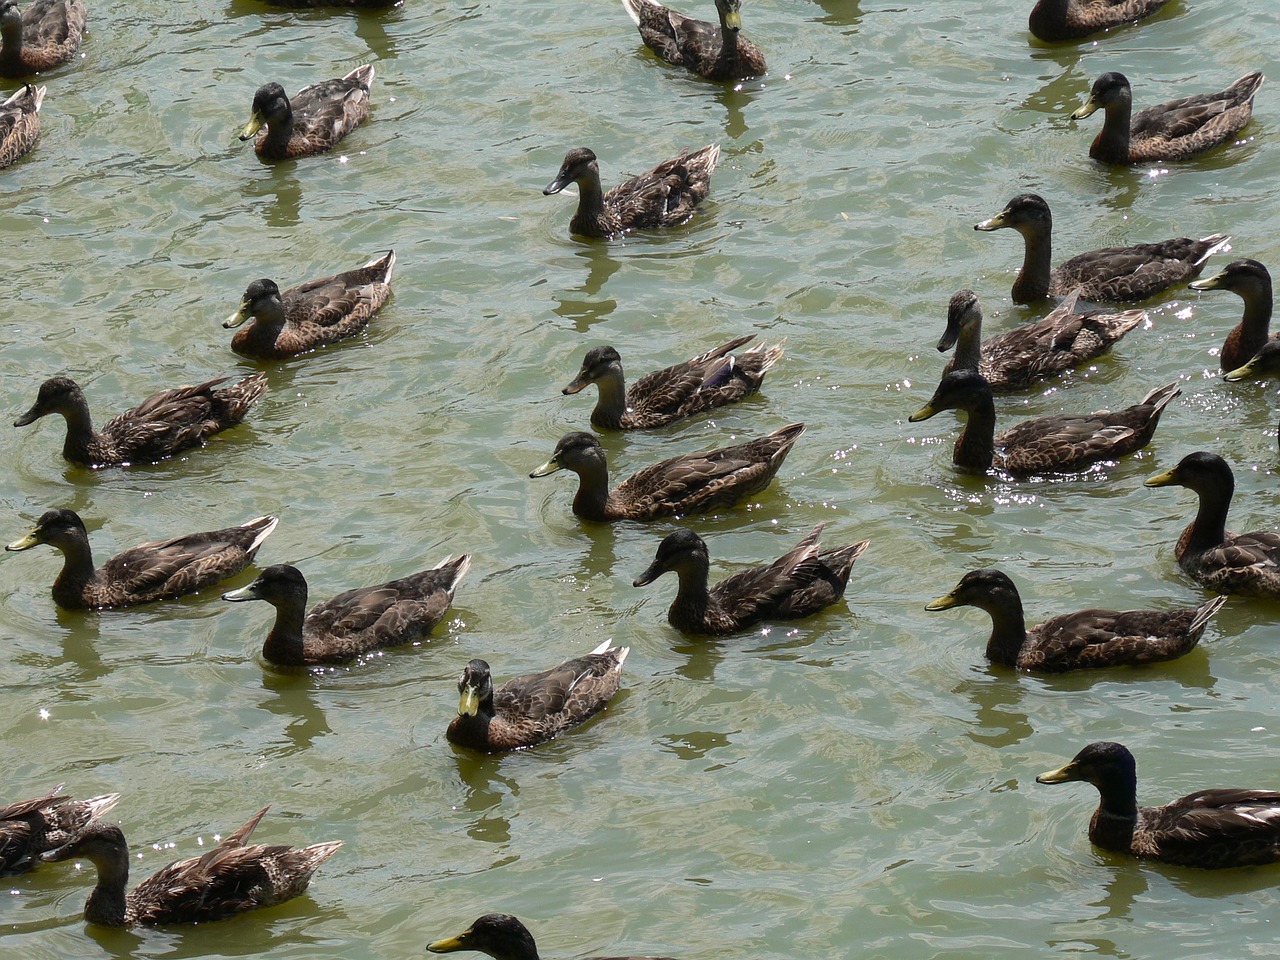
(1168, 131)
(30, 827)
(715, 52)
(20, 124)
(663, 197)
(315, 119)
(41, 37)
(692, 482)
(711, 379)
(1209, 828)
(357, 4)
(1264, 363)
(1075, 641)
(1054, 20)
(801, 582)
(160, 570)
(1110, 274)
(164, 424)
(311, 314)
(233, 877)
(1247, 564)
(502, 937)
(528, 710)
(1014, 360)
(1251, 282)
(1060, 443)
(355, 622)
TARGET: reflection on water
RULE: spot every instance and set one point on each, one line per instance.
(486, 791)
(282, 190)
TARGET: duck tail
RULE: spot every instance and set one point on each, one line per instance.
(1159, 397)
(265, 526)
(1214, 243)
(1204, 613)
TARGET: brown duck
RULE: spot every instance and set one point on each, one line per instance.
(1055, 20)
(313, 121)
(715, 52)
(30, 827)
(502, 937)
(1251, 282)
(43, 36)
(20, 123)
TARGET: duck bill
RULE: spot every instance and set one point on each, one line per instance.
(1167, 479)
(733, 20)
(579, 383)
(58, 854)
(1061, 775)
(237, 318)
(31, 416)
(1208, 283)
(449, 944)
(1247, 372)
(561, 181)
(650, 575)
(468, 706)
(548, 468)
(949, 337)
(995, 223)
(26, 543)
(253, 126)
(244, 593)
(924, 413)
(1090, 106)
(942, 603)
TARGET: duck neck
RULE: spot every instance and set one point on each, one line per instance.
(976, 447)
(77, 572)
(1008, 631)
(1111, 145)
(1251, 333)
(591, 502)
(968, 354)
(1116, 818)
(80, 435)
(1049, 17)
(689, 609)
(260, 332)
(1032, 283)
(279, 133)
(11, 45)
(108, 904)
(591, 219)
(1209, 528)
(284, 644)
(611, 401)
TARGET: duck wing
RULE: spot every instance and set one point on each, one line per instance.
(684, 388)
(1213, 828)
(183, 564)
(325, 112)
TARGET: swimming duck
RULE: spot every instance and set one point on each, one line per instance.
(1264, 363)
(355, 622)
(663, 197)
(715, 52)
(1054, 20)
(692, 482)
(801, 582)
(1075, 641)
(311, 314)
(1014, 360)
(30, 827)
(1247, 564)
(1110, 274)
(528, 710)
(357, 4)
(1059, 443)
(233, 877)
(315, 119)
(1209, 828)
(502, 937)
(711, 379)
(160, 570)
(41, 37)
(20, 124)
(1251, 282)
(164, 424)
(1168, 131)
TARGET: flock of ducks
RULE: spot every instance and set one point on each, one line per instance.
(1212, 828)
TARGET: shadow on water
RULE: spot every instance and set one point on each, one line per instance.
(579, 304)
(283, 191)
(839, 13)
(295, 702)
(486, 789)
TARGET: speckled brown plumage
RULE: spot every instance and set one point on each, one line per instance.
(1251, 282)
(20, 123)
(1055, 20)
(715, 51)
(313, 121)
(30, 827)
(43, 36)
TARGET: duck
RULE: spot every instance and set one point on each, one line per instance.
(233, 877)
(663, 197)
(1063, 340)
(528, 710)
(28, 828)
(1264, 363)
(1246, 564)
(310, 315)
(161, 426)
(801, 582)
(1214, 828)
(43, 36)
(1056, 20)
(1171, 131)
(1111, 274)
(711, 51)
(1060, 443)
(1251, 282)
(352, 4)
(160, 570)
(355, 622)
(709, 380)
(691, 482)
(20, 123)
(502, 937)
(1081, 640)
(315, 119)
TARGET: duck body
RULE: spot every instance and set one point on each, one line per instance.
(1055, 20)
(1111, 274)
(233, 877)
(709, 380)
(1213, 828)
(503, 937)
(313, 121)
(714, 51)
(1251, 281)
(28, 828)
(801, 582)
(1171, 131)
(164, 424)
(310, 315)
(663, 197)
(20, 124)
(1083, 640)
(530, 709)
(43, 36)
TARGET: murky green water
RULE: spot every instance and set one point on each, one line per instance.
(857, 784)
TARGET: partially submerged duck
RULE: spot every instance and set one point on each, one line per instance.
(354, 4)
(663, 197)
(1212, 828)
(315, 119)
(1059, 443)
(801, 582)
(355, 622)
(43, 36)
(28, 828)
(1075, 641)
(711, 379)
(1264, 363)
(715, 52)
(160, 570)
(679, 485)
(527, 710)
(1251, 282)
(1109, 274)
(20, 123)
(1054, 20)
(310, 315)
(503, 937)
